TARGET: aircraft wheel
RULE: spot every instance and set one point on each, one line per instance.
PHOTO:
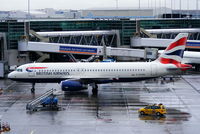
(95, 91)
(32, 90)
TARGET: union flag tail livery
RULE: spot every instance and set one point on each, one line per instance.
(173, 54)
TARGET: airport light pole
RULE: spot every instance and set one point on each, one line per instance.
(28, 9)
(159, 3)
(171, 8)
(160, 8)
(139, 7)
(28, 24)
(180, 9)
(116, 4)
(197, 9)
(165, 8)
(188, 7)
(138, 4)
(155, 9)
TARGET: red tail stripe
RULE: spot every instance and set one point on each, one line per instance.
(183, 67)
(168, 61)
(179, 42)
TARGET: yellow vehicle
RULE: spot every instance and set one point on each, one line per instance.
(153, 110)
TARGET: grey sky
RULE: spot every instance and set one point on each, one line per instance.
(85, 4)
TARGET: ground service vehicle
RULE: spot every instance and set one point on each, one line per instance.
(153, 110)
(50, 101)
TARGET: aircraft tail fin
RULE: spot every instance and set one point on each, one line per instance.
(173, 54)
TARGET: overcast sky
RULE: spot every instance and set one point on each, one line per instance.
(85, 4)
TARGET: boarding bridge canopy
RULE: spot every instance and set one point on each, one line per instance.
(74, 33)
(167, 31)
(161, 43)
(96, 38)
(194, 33)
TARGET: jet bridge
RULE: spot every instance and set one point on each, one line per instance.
(79, 49)
(109, 38)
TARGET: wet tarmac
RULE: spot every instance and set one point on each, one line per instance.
(112, 111)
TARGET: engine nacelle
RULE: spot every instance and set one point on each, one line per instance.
(70, 85)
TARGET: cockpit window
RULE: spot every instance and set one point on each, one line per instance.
(19, 70)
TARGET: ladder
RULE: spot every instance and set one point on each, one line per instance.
(34, 104)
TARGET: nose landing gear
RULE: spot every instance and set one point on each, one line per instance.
(33, 88)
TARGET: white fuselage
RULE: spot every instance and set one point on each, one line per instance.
(56, 72)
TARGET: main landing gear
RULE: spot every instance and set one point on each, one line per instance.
(33, 88)
(94, 89)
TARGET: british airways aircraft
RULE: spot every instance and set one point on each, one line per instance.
(77, 76)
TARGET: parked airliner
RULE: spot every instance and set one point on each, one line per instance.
(77, 76)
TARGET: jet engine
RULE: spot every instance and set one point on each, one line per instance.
(70, 85)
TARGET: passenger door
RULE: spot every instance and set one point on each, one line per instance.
(31, 71)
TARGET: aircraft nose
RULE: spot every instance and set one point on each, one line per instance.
(11, 75)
